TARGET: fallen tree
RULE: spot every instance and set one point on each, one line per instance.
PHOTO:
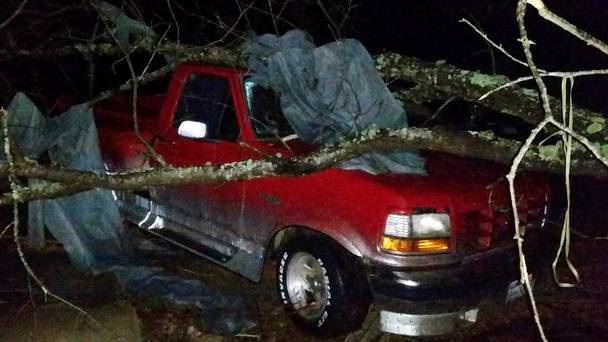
(433, 81)
(64, 182)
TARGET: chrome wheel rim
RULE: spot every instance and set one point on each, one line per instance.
(307, 285)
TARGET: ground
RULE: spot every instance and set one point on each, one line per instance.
(578, 313)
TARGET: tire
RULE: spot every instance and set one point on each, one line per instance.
(321, 287)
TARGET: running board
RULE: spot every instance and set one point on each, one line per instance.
(187, 244)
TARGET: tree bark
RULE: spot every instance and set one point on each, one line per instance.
(440, 79)
(464, 144)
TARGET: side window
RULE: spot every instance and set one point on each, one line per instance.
(206, 99)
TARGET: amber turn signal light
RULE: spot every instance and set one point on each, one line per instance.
(394, 244)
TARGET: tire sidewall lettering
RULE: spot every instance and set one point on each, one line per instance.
(282, 287)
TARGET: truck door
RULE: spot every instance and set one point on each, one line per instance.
(204, 131)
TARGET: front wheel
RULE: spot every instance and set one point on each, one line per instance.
(321, 287)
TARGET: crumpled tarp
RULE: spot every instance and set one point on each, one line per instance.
(127, 31)
(330, 92)
(125, 27)
(86, 223)
(89, 225)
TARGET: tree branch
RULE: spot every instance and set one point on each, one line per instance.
(14, 15)
(66, 182)
(468, 85)
(545, 13)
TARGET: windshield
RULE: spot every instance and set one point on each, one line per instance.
(265, 112)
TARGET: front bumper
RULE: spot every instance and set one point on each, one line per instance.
(434, 301)
(473, 275)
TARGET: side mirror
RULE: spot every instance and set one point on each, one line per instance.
(192, 129)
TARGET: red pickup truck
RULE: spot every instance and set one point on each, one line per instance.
(424, 248)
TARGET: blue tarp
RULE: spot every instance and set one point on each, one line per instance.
(89, 225)
(330, 92)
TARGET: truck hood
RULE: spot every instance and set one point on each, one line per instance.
(454, 182)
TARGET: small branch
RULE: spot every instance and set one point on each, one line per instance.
(174, 20)
(134, 82)
(559, 74)
(14, 15)
(523, 267)
(335, 30)
(441, 108)
(582, 139)
(8, 226)
(545, 13)
(147, 78)
(491, 42)
(525, 42)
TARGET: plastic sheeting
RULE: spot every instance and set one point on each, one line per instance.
(127, 30)
(89, 224)
(86, 223)
(330, 92)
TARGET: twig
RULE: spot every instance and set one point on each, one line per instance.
(14, 15)
(335, 30)
(91, 59)
(231, 29)
(582, 139)
(545, 13)
(174, 19)
(272, 16)
(8, 226)
(442, 107)
(523, 267)
(491, 42)
(128, 85)
(127, 55)
(560, 74)
(347, 12)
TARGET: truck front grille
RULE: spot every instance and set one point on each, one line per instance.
(488, 227)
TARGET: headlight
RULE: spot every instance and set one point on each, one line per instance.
(398, 225)
(416, 233)
(430, 225)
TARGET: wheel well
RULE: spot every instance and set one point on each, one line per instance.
(285, 235)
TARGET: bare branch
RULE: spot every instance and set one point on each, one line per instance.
(491, 42)
(544, 12)
(14, 15)
(135, 79)
(560, 74)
